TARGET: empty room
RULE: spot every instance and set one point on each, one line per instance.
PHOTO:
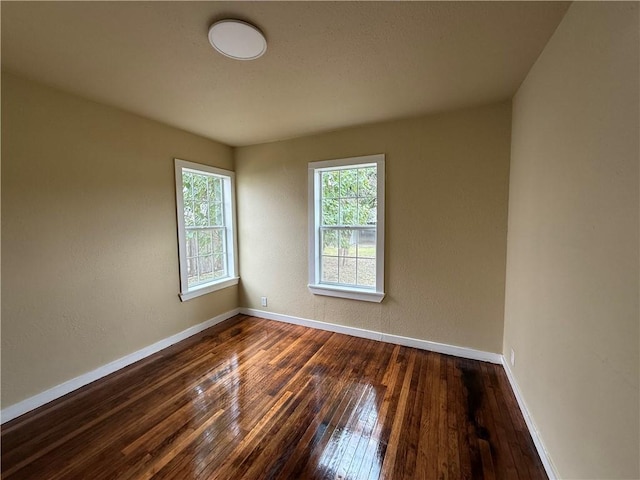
(312, 240)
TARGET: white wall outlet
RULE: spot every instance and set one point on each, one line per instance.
(513, 358)
(263, 301)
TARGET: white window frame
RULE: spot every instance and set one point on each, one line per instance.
(377, 293)
(186, 292)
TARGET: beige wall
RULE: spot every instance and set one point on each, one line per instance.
(446, 214)
(571, 310)
(89, 245)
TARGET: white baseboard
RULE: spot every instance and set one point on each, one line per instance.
(454, 350)
(383, 337)
(58, 391)
(542, 452)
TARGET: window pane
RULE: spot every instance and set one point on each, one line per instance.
(213, 209)
(367, 243)
(329, 241)
(348, 183)
(367, 182)
(216, 214)
(330, 211)
(218, 241)
(218, 194)
(219, 217)
(204, 242)
(347, 243)
(199, 187)
(219, 266)
(348, 211)
(347, 272)
(329, 269)
(189, 215)
(367, 211)
(192, 271)
(205, 265)
(192, 247)
(366, 272)
(211, 187)
(201, 214)
(330, 184)
(187, 189)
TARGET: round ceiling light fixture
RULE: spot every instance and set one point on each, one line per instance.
(237, 39)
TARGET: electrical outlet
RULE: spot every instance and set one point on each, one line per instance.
(263, 301)
(513, 358)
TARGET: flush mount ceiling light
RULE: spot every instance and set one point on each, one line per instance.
(237, 39)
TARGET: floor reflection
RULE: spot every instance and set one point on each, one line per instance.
(218, 391)
(353, 450)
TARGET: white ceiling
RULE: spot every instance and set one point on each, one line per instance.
(328, 64)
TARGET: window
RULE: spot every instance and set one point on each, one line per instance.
(346, 228)
(206, 228)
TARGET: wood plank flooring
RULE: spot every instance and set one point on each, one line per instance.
(258, 399)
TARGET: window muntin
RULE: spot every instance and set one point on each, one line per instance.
(347, 227)
(205, 200)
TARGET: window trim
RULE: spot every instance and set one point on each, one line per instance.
(187, 293)
(355, 293)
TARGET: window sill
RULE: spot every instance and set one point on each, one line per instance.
(344, 292)
(208, 288)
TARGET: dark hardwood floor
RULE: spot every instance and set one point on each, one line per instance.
(258, 399)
